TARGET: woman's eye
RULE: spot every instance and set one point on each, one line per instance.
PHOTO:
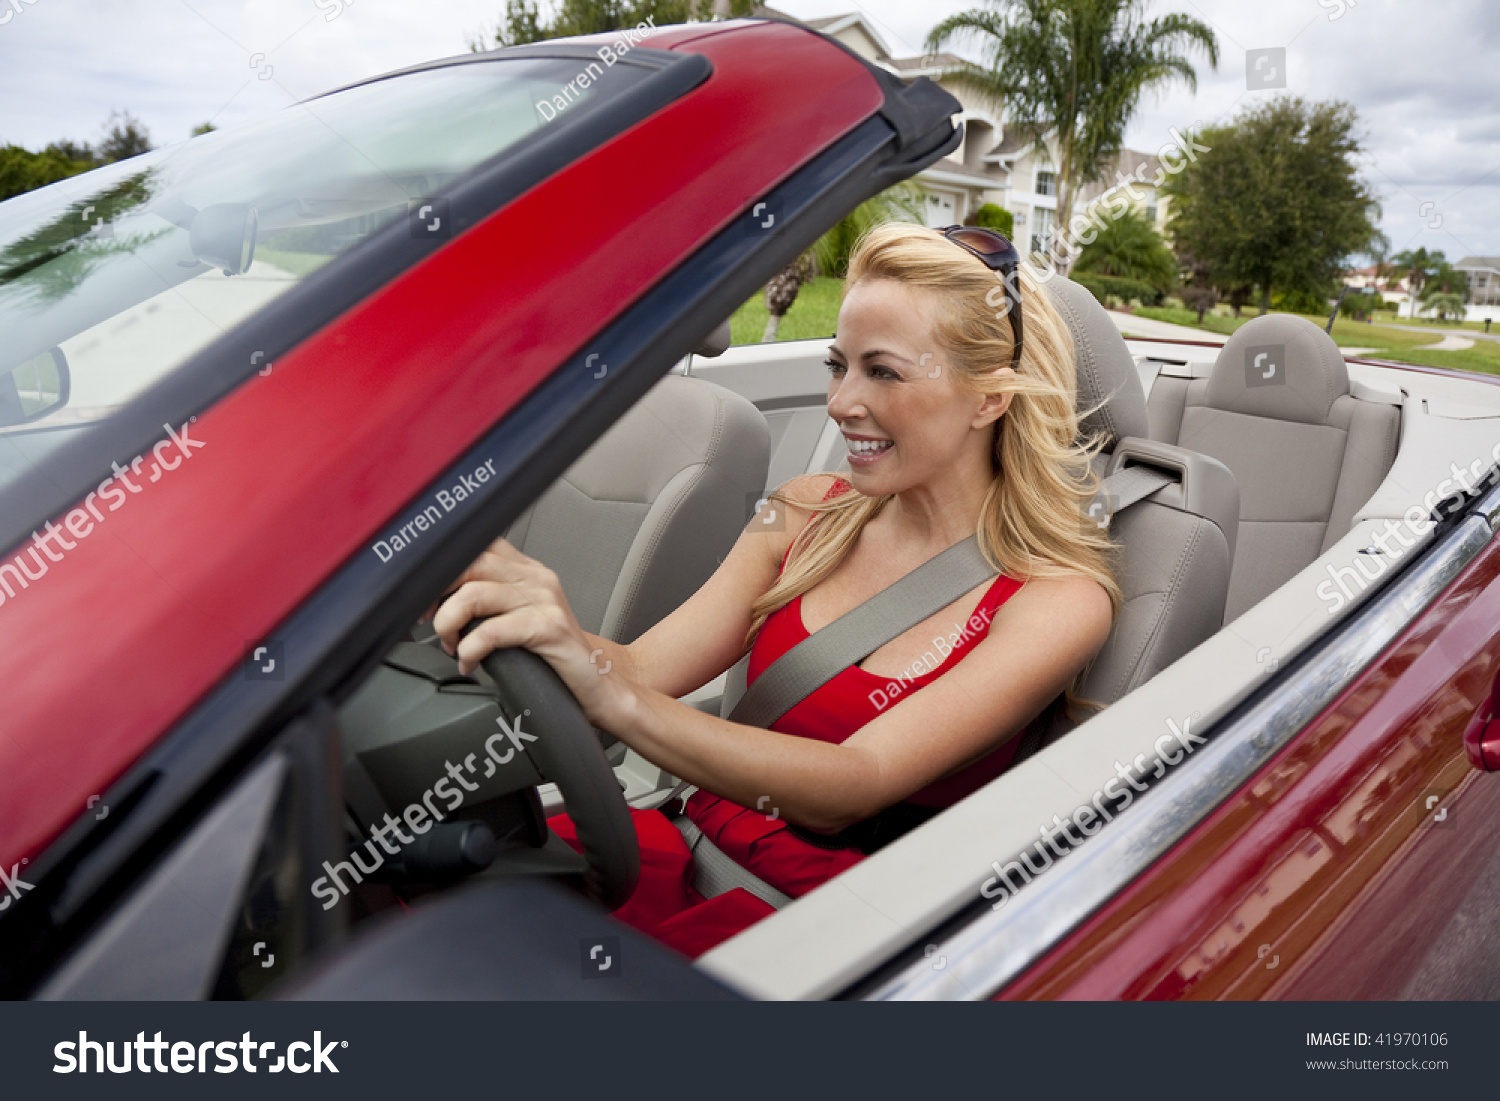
(833, 368)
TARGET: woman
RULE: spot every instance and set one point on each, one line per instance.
(948, 435)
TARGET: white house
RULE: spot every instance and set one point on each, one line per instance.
(1483, 274)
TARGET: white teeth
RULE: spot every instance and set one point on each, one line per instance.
(867, 447)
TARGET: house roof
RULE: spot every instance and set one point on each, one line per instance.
(1479, 263)
(833, 24)
(927, 61)
(954, 169)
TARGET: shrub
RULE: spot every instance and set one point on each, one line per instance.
(1300, 301)
(1106, 287)
(991, 216)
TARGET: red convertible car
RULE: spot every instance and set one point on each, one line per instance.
(265, 394)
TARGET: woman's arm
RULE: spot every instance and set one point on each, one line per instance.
(695, 643)
(1036, 644)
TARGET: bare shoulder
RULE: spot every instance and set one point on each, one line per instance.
(1074, 602)
(785, 518)
(808, 489)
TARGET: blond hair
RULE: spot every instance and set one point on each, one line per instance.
(1032, 519)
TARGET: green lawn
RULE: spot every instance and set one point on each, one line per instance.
(1476, 326)
(1390, 343)
(814, 314)
(1346, 333)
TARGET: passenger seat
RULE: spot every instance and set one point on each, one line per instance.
(1176, 546)
(1277, 412)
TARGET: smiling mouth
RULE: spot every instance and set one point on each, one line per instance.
(867, 450)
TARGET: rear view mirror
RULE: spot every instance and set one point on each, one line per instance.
(224, 235)
(35, 388)
(715, 343)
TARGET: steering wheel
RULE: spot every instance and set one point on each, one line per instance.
(567, 752)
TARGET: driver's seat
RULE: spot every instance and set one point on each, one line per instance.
(645, 516)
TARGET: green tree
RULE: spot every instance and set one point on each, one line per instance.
(904, 202)
(1277, 201)
(1415, 265)
(22, 170)
(1445, 279)
(1444, 304)
(125, 136)
(1075, 68)
(1130, 247)
(78, 151)
(204, 128)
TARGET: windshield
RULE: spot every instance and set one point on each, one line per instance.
(112, 279)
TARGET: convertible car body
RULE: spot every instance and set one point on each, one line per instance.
(263, 395)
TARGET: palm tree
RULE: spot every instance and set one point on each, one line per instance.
(1075, 67)
(905, 202)
(1416, 265)
(829, 254)
(781, 292)
(1444, 304)
(1131, 248)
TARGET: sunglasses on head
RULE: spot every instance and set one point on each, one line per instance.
(1001, 256)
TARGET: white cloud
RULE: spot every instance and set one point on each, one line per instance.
(1419, 76)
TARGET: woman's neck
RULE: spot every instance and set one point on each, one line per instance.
(937, 515)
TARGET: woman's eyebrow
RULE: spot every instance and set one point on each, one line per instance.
(875, 353)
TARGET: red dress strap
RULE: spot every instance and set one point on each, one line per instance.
(839, 487)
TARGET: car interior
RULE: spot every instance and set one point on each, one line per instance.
(1275, 485)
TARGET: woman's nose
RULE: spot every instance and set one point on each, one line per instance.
(846, 398)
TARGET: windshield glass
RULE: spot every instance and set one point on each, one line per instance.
(110, 280)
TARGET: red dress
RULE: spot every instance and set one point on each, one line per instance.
(666, 907)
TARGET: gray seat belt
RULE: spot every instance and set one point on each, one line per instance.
(857, 634)
(896, 609)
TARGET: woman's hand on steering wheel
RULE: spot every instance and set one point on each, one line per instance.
(522, 604)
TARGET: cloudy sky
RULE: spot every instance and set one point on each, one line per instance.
(1422, 76)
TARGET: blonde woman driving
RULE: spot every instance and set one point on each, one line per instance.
(957, 424)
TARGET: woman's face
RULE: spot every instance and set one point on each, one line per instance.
(904, 413)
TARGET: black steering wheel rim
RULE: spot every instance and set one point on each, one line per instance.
(567, 752)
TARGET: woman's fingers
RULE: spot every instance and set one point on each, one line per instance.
(525, 627)
(499, 562)
(472, 600)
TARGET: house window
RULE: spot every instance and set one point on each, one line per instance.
(1042, 231)
(1046, 182)
(1151, 214)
